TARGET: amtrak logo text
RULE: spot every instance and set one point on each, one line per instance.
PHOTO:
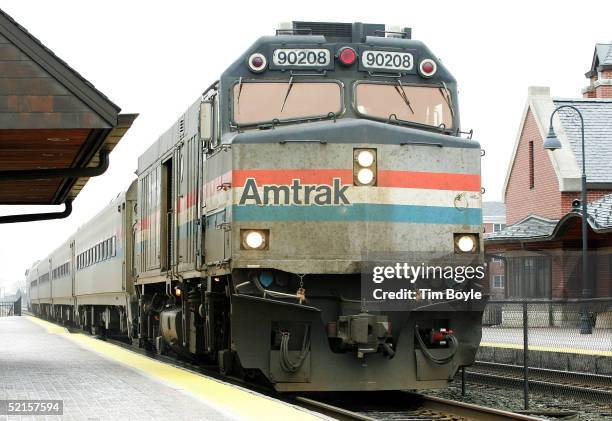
(295, 194)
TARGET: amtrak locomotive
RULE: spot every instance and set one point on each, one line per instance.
(243, 240)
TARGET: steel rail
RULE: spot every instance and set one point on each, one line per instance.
(594, 386)
(588, 378)
(427, 406)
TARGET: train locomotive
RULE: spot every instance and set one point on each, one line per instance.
(243, 239)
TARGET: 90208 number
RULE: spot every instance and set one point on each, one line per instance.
(301, 57)
(387, 60)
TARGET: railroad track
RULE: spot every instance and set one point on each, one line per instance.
(592, 386)
(404, 406)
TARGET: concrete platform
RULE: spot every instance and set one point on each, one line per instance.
(100, 381)
(553, 348)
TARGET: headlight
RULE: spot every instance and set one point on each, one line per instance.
(466, 243)
(254, 239)
(365, 176)
(365, 158)
(364, 167)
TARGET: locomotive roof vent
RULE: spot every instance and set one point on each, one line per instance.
(342, 31)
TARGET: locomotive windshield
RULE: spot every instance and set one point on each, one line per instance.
(261, 102)
(429, 105)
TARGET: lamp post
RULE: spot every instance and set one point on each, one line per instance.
(552, 143)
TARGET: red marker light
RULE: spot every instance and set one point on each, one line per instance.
(428, 67)
(257, 63)
(347, 56)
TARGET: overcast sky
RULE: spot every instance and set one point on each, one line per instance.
(155, 58)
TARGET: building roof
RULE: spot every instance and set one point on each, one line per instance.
(58, 67)
(54, 125)
(604, 53)
(597, 114)
(602, 58)
(494, 212)
(536, 227)
(566, 160)
(600, 213)
(531, 227)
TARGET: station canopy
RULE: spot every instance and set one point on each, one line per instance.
(56, 128)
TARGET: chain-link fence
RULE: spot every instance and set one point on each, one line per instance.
(547, 331)
(560, 347)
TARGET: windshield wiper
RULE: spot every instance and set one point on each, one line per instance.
(447, 97)
(239, 90)
(400, 90)
(287, 93)
(392, 119)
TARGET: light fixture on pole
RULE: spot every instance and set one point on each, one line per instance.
(552, 143)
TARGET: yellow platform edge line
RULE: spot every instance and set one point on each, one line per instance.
(231, 399)
(592, 352)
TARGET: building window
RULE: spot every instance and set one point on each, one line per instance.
(498, 281)
(529, 277)
(498, 227)
(531, 166)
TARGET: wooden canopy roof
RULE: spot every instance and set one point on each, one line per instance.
(54, 124)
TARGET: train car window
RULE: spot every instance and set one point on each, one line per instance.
(217, 123)
(264, 102)
(418, 104)
(113, 246)
(206, 120)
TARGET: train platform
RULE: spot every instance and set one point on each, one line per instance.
(553, 348)
(97, 380)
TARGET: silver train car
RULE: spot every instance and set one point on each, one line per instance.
(88, 280)
(244, 238)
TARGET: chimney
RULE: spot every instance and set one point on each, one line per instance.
(600, 75)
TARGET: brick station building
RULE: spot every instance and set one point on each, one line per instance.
(541, 245)
(494, 220)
